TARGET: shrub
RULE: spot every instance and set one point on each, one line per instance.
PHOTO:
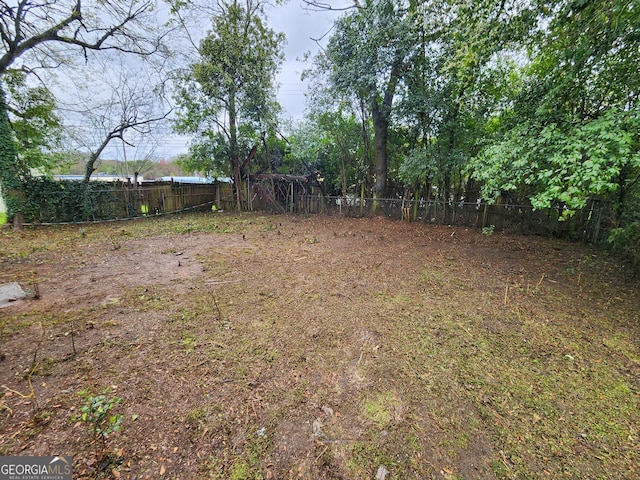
(625, 241)
(96, 413)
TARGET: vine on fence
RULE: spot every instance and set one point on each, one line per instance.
(9, 178)
(48, 200)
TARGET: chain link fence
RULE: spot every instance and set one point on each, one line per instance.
(588, 224)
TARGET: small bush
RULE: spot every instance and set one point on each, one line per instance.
(96, 414)
(626, 242)
(488, 230)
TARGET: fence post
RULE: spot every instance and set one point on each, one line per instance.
(596, 230)
(485, 214)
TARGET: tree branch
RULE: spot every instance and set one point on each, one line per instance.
(118, 132)
(17, 43)
(315, 6)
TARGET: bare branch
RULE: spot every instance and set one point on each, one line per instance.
(318, 40)
(315, 6)
(118, 133)
(34, 25)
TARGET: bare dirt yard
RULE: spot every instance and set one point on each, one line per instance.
(276, 347)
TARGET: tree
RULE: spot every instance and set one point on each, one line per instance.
(35, 125)
(572, 128)
(43, 35)
(340, 156)
(117, 104)
(227, 97)
(464, 62)
(8, 158)
(367, 57)
(38, 28)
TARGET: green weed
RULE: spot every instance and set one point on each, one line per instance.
(96, 414)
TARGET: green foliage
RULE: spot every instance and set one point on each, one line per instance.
(29, 129)
(47, 200)
(562, 163)
(331, 144)
(43, 36)
(8, 154)
(571, 130)
(488, 231)
(366, 58)
(37, 129)
(9, 179)
(211, 158)
(96, 413)
(431, 76)
(587, 60)
(368, 45)
(308, 144)
(340, 152)
(235, 77)
(625, 241)
(417, 167)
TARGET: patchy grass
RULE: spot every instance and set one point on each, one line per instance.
(287, 347)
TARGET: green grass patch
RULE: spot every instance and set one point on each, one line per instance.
(383, 410)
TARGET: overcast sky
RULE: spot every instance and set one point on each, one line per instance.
(300, 25)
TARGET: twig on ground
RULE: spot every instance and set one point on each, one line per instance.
(321, 453)
(222, 282)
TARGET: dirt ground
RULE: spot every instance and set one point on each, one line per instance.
(254, 346)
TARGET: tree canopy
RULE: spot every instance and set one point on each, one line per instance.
(537, 98)
(227, 98)
(571, 130)
(367, 57)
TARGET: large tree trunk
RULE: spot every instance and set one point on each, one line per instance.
(90, 167)
(234, 151)
(380, 132)
(381, 114)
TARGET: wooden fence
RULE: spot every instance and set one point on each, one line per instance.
(168, 197)
(122, 200)
(118, 200)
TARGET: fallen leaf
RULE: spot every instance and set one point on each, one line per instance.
(162, 470)
(115, 473)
